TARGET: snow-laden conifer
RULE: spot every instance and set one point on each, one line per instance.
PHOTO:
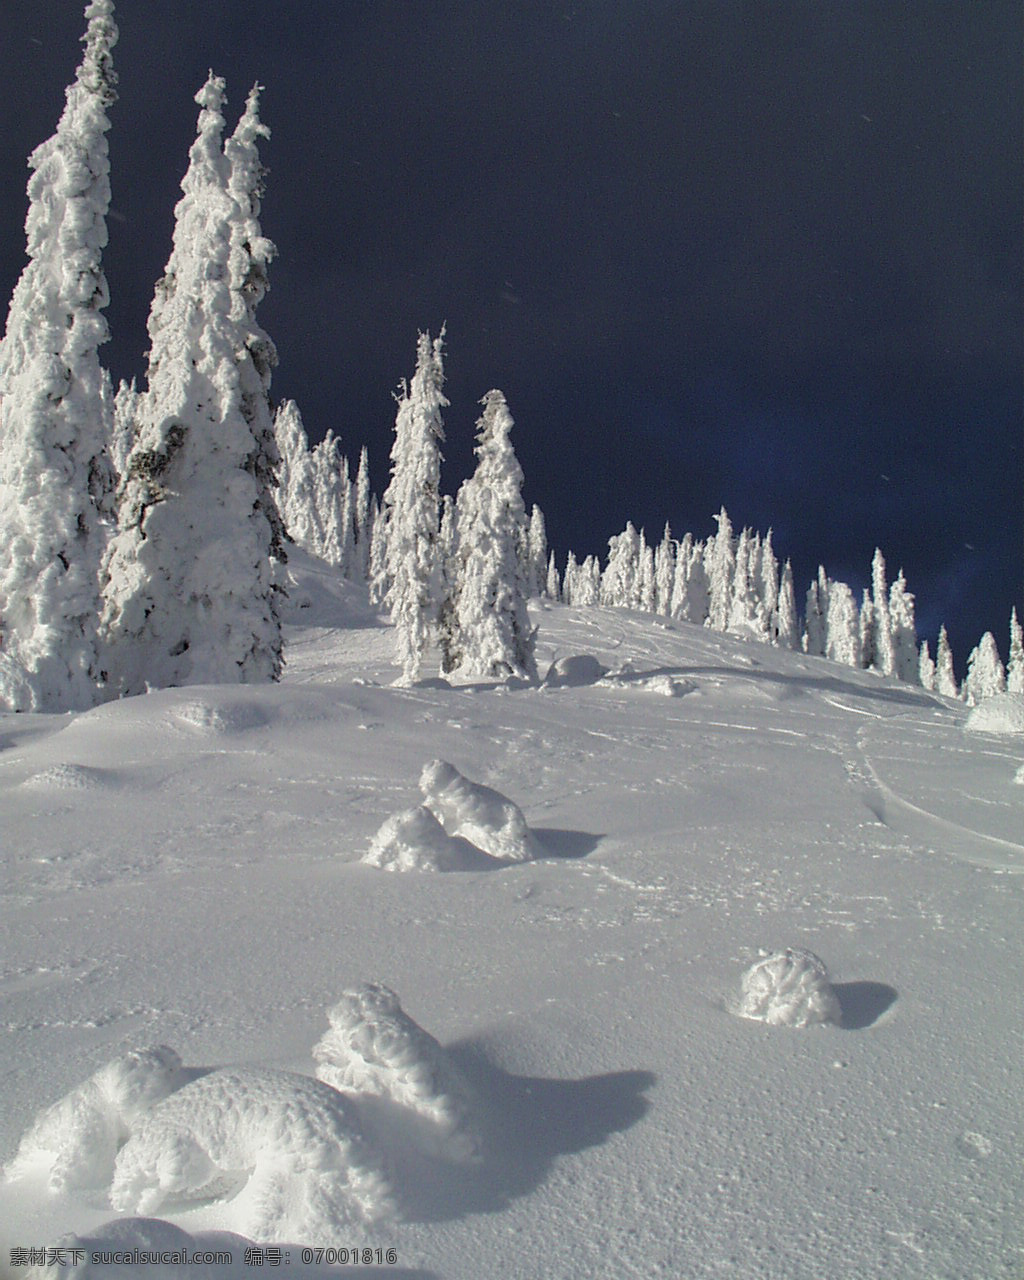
(744, 619)
(619, 580)
(926, 668)
(787, 626)
(769, 580)
(495, 635)
(1015, 667)
(552, 586)
(56, 405)
(664, 572)
(904, 631)
(867, 631)
(412, 568)
(297, 480)
(646, 588)
(815, 615)
(363, 518)
(720, 566)
(986, 675)
(945, 677)
(127, 412)
(190, 590)
(842, 626)
(537, 553)
(882, 640)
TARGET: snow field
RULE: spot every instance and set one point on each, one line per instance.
(629, 1125)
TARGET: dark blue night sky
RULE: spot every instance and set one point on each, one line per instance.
(767, 255)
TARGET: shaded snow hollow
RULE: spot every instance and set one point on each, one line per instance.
(461, 825)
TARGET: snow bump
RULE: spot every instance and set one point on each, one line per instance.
(1002, 713)
(374, 1050)
(788, 988)
(487, 819)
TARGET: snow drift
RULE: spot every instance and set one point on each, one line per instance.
(373, 1049)
(287, 1149)
(788, 989)
(1001, 713)
(76, 1140)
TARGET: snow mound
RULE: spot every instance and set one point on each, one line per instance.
(487, 819)
(75, 1142)
(122, 1235)
(374, 1048)
(1002, 713)
(668, 686)
(574, 672)
(216, 717)
(414, 840)
(67, 777)
(286, 1150)
(788, 989)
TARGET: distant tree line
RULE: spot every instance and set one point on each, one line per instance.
(146, 532)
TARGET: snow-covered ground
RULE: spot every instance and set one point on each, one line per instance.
(185, 869)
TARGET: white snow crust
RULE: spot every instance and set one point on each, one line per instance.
(186, 871)
(1001, 713)
(788, 988)
(374, 1048)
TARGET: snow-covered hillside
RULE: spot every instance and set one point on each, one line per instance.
(566, 1088)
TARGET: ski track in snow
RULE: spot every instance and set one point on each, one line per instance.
(184, 868)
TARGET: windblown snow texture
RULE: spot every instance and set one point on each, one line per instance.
(374, 1048)
(789, 989)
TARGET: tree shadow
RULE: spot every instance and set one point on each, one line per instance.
(559, 843)
(526, 1122)
(863, 1003)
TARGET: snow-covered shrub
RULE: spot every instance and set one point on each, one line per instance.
(77, 1139)
(414, 840)
(484, 817)
(574, 671)
(374, 1048)
(1000, 713)
(288, 1150)
(788, 989)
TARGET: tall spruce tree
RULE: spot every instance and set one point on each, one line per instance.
(945, 676)
(881, 630)
(190, 587)
(1015, 667)
(56, 405)
(412, 563)
(495, 636)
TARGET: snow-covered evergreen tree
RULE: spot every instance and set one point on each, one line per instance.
(190, 587)
(867, 631)
(720, 566)
(363, 518)
(645, 592)
(769, 579)
(412, 566)
(378, 579)
(945, 677)
(904, 631)
(127, 412)
(56, 405)
(986, 675)
(744, 619)
(842, 626)
(495, 636)
(537, 553)
(664, 573)
(1015, 667)
(926, 668)
(787, 626)
(297, 480)
(884, 649)
(815, 616)
(448, 554)
(552, 586)
(619, 580)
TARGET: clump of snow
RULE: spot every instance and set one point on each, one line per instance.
(1001, 713)
(286, 1149)
(788, 989)
(414, 840)
(668, 686)
(76, 1140)
(487, 819)
(214, 717)
(67, 777)
(374, 1048)
(574, 672)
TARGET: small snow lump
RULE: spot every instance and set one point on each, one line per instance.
(484, 817)
(788, 988)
